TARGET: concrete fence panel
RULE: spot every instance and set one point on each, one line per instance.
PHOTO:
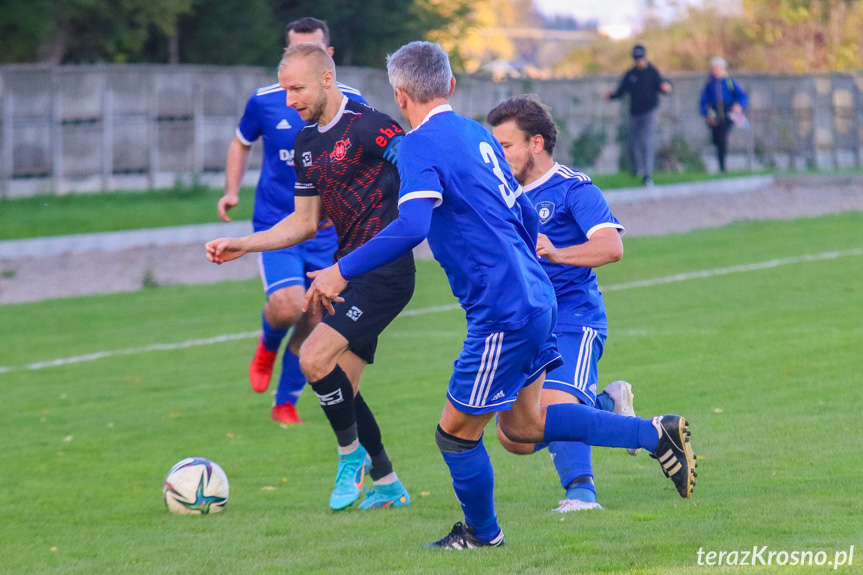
(125, 127)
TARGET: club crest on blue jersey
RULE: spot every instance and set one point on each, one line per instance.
(545, 210)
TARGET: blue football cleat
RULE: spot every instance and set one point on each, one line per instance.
(349, 478)
(382, 496)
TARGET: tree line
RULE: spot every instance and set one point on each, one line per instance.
(772, 36)
(222, 32)
(775, 36)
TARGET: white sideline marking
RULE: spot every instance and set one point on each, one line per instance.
(734, 269)
(427, 310)
(184, 344)
(442, 308)
(134, 350)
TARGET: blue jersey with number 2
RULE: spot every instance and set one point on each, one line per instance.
(476, 233)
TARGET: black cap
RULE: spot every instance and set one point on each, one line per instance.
(638, 52)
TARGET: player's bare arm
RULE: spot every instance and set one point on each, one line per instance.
(603, 247)
(294, 229)
(235, 168)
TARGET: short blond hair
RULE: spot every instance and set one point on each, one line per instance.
(318, 58)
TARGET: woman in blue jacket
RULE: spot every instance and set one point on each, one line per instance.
(722, 103)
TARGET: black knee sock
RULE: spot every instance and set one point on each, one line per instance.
(370, 437)
(336, 395)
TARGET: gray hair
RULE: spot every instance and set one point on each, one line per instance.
(422, 70)
(717, 61)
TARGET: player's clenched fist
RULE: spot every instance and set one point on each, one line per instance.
(224, 250)
(545, 248)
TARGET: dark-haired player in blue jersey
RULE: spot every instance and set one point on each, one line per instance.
(346, 171)
(283, 271)
(457, 190)
(577, 233)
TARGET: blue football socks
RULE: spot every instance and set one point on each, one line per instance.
(604, 402)
(291, 381)
(576, 422)
(586, 493)
(473, 481)
(572, 461)
(272, 337)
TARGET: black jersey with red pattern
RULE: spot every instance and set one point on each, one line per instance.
(351, 164)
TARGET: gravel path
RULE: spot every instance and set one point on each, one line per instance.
(39, 278)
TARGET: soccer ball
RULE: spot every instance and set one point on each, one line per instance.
(196, 486)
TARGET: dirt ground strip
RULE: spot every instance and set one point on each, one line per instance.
(35, 279)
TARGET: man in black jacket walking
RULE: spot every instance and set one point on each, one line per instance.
(643, 83)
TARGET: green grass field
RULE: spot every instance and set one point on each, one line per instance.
(88, 213)
(765, 364)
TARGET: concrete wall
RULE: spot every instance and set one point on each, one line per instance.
(104, 127)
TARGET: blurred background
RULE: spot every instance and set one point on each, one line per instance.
(534, 38)
(100, 95)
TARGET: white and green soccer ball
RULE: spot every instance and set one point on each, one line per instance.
(196, 486)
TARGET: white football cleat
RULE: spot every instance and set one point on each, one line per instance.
(567, 505)
(621, 392)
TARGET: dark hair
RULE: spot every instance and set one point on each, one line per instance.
(308, 25)
(530, 115)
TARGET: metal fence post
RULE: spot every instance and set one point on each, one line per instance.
(857, 102)
(8, 144)
(153, 132)
(107, 131)
(198, 122)
(56, 135)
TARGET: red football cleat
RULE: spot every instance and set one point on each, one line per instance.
(261, 369)
(285, 413)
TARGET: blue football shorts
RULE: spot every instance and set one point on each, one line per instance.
(581, 348)
(492, 368)
(288, 267)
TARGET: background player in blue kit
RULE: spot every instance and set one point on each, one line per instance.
(283, 271)
(457, 190)
(346, 170)
(577, 233)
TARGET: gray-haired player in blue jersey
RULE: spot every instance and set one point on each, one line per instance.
(283, 271)
(457, 190)
(577, 232)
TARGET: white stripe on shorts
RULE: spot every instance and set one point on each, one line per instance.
(585, 353)
(487, 367)
(493, 371)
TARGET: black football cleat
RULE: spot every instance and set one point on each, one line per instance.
(674, 452)
(463, 537)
